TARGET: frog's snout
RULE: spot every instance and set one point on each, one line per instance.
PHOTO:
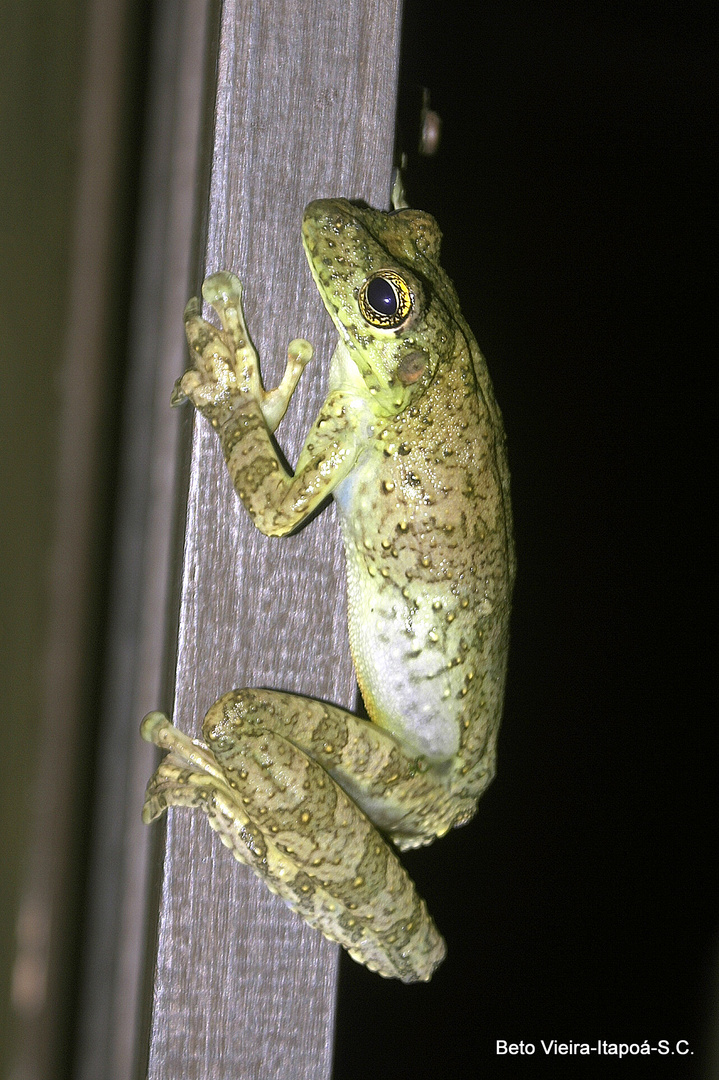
(323, 218)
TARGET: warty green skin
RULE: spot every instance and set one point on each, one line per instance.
(410, 443)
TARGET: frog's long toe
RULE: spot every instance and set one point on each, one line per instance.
(153, 726)
(222, 289)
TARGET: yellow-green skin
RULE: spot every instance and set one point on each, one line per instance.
(410, 443)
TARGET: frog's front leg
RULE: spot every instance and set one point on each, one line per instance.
(225, 361)
(225, 386)
(265, 780)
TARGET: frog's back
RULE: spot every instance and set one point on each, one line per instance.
(430, 564)
(425, 509)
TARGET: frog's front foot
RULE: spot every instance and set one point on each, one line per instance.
(225, 372)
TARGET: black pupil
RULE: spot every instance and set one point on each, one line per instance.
(382, 297)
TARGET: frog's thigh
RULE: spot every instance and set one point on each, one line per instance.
(392, 788)
(320, 851)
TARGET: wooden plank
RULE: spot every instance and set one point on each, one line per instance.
(304, 108)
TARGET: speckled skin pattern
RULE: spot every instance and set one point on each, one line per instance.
(410, 443)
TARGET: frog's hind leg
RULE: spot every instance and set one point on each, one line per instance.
(280, 813)
(402, 795)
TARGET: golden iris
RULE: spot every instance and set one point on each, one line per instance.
(385, 300)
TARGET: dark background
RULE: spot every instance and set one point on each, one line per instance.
(573, 190)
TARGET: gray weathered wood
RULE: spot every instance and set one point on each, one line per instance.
(304, 109)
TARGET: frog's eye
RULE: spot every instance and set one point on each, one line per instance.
(385, 300)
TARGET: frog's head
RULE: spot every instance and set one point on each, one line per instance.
(379, 277)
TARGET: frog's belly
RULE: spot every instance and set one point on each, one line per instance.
(407, 681)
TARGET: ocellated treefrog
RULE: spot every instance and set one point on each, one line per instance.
(410, 444)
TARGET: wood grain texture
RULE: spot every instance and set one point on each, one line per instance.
(304, 109)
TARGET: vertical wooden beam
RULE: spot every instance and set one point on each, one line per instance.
(304, 108)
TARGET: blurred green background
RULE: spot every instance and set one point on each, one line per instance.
(43, 67)
(40, 71)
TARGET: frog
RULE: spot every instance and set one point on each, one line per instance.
(410, 444)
